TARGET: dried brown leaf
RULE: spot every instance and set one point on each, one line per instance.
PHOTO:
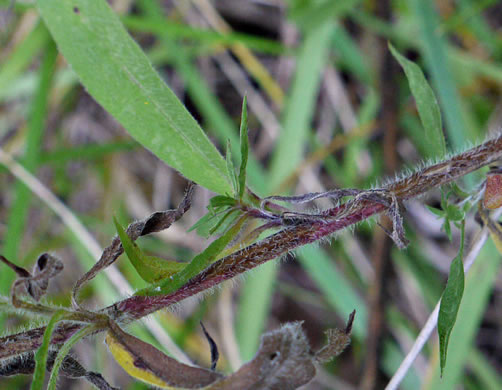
(35, 283)
(338, 340)
(145, 362)
(156, 222)
(283, 361)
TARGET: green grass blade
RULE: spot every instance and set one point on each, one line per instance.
(392, 357)
(62, 155)
(483, 369)
(42, 352)
(300, 106)
(312, 14)
(244, 148)
(258, 289)
(334, 286)
(23, 55)
(200, 35)
(116, 72)
(351, 57)
(254, 305)
(22, 195)
(427, 105)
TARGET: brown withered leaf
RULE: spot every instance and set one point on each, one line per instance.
(156, 222)
(145, 362)
(284, 361)
(35, 283)
(338, 340)
(71, 368)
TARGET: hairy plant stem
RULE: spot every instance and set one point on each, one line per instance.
(280, 243)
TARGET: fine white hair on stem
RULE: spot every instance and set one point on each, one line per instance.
(89, 242)
(431, 322)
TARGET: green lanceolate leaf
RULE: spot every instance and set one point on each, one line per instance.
(427, 105)
(151, 269)
(212, 223)
(244, 148)
(198, 263)
(231, 169)
(450, 302)
(225, 221)
(221, 201)
(117, 73)
(63, 352)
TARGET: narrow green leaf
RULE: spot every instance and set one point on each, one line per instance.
(439, 212)
(42, 352)
(151, 269)
(20, 206)
(450, 302)
(204, 225)
(435, 48)
(427, 105)
(230, 168)
(479, 285)
(244, 148)
(116, 72)
(220, 201)
(65, 349)
(212, 223)
(198, 263)
(225, 221)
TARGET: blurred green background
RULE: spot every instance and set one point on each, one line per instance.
(329, 107)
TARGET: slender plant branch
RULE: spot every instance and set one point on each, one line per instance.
(293, 235)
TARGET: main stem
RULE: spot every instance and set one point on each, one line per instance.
(280, 243)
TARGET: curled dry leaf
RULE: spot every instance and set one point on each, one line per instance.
(71, 368)
(338, 340)
(284, 361)
(156, 222)
(36, 283)
(215, 354)
(146, 363)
